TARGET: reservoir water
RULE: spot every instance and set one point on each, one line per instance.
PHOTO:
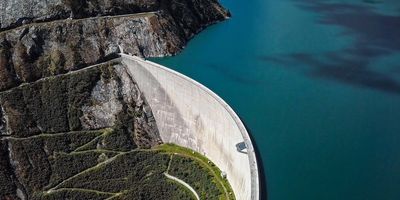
(318, 84)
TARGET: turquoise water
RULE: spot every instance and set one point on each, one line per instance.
(318, 84)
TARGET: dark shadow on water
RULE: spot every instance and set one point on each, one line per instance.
(373, 31)
(347, 71)
(260, 163)
(375, 35)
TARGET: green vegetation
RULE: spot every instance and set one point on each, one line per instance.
(79, 87)
(195, 175)
(63, 170)
(198, 171)
(42, 156)
(72, 194)
(53, 157)
(137, 174)
(73, 165)
(7, 75)
(52, 105)
(7, 186)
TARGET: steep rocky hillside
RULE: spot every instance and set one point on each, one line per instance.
(96, 111)
(67, 107)
(40, 39)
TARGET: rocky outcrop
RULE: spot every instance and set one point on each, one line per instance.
(36, 50)
(91, 99)
(191, 14)
(32, 52)
(15, 13)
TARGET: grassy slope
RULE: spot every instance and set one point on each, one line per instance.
(197, 163)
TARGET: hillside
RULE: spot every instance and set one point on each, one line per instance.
(69, 113)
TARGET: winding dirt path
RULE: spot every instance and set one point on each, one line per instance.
(183, 183)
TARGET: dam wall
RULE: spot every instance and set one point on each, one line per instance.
(190, 115)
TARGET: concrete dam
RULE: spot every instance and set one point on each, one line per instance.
(189, 114)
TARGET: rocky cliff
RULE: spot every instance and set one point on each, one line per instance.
(42, 39)
(58, 105)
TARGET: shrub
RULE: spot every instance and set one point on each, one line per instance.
(71, 194)
(7, 186)
(7, 76)
(79, 87)
(64, 165)
(195, 175)
(33, 169)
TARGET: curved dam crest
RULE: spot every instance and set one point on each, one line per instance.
(189, 114)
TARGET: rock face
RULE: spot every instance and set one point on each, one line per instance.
(40, 49)
(54, 48)
(91, 99)
(55, 100)
(192, 14)
(15, 12)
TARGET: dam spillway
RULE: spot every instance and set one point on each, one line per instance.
(189, 114)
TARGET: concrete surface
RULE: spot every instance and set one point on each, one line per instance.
(190, 115)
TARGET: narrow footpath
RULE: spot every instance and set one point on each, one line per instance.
(182, 183)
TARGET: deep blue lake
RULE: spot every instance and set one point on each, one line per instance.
(318, 84)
